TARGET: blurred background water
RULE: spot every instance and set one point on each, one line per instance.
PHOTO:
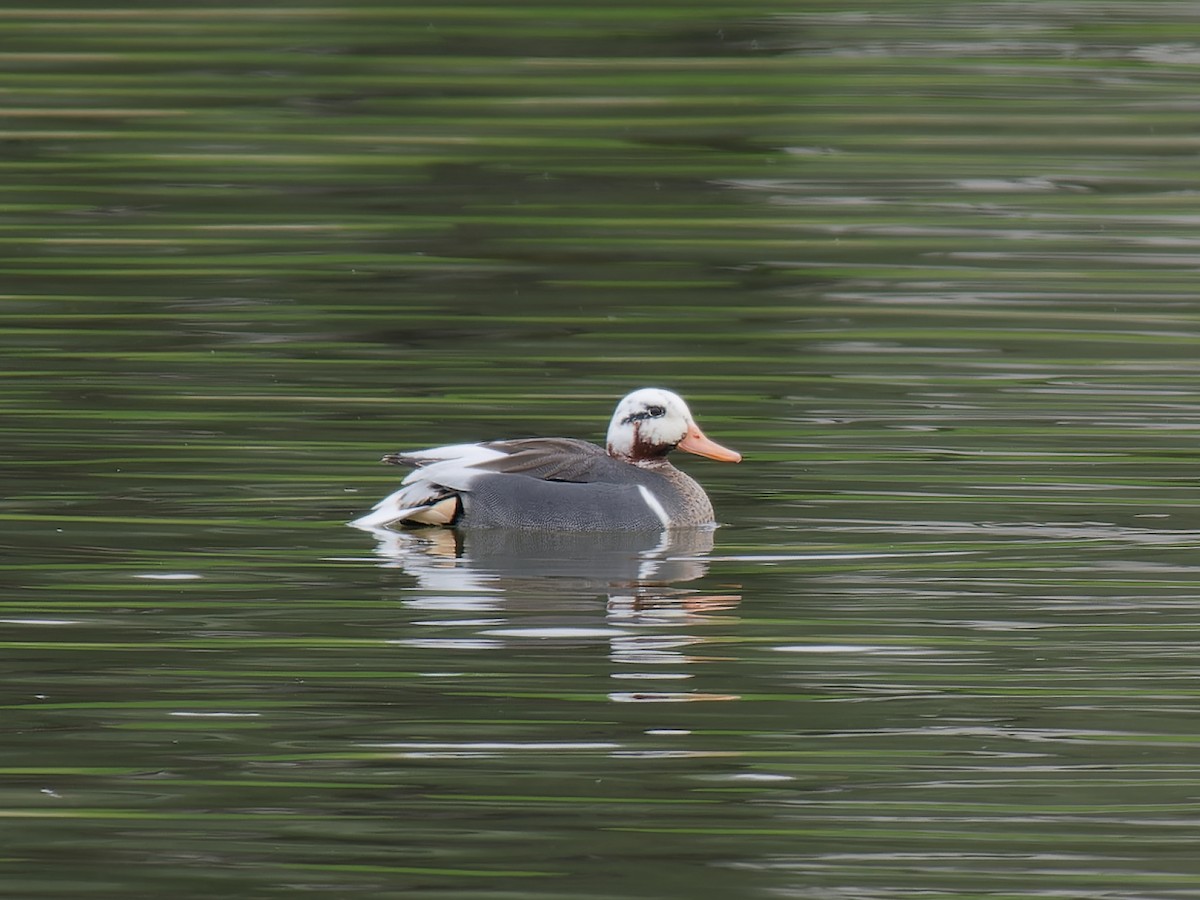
(930, 266)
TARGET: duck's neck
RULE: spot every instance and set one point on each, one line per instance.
(643, 455)
(629, 444)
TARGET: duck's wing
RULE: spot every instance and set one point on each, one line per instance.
(554, 459)
(550, 459)
(501, 479)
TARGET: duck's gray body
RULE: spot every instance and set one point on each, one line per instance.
(575, 486)
(551, 483)
(562, 484)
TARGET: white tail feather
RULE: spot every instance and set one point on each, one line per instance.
(440, 469)
(392, 508)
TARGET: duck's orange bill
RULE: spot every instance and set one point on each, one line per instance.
(695, 442)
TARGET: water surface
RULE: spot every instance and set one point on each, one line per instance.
(929, 266)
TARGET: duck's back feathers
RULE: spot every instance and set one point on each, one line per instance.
(555, 459)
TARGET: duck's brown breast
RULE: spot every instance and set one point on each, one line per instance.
(681, 496)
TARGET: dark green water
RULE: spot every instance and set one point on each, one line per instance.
(930, 266)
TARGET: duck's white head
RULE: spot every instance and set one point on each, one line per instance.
(651, 422)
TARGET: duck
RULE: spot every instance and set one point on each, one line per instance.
(561, 484)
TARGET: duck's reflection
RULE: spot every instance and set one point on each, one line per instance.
(637, 572)
(517, 590)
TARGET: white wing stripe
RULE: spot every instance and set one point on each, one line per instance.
(655, 506)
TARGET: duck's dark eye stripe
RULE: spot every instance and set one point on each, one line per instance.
(650, 412)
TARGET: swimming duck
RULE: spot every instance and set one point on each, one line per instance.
(562, 483)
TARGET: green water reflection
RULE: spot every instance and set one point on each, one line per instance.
(930, 265)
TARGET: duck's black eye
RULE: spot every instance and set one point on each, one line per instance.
(656, 411)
